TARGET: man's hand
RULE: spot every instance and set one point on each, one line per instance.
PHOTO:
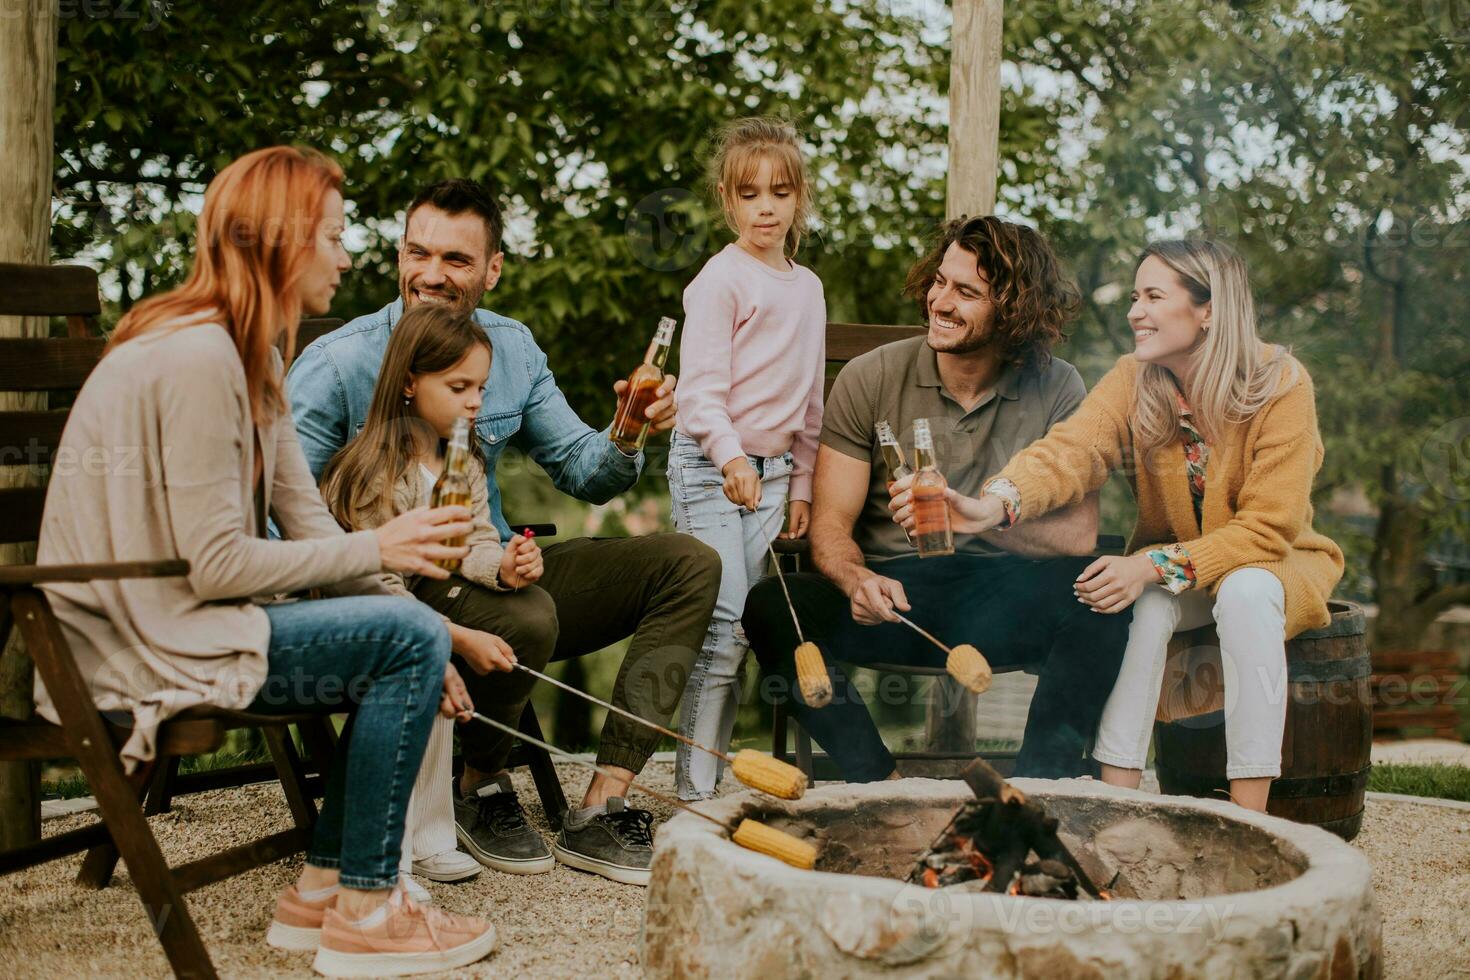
(799, 520)
(521, 564)
(742, 483)
(483, 651)
(455, 702)
(967, 515)
(874, 598)
(662, 410)
(1113, 582)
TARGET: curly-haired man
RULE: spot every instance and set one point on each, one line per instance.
(996, 300)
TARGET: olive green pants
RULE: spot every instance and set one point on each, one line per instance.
(660, 589)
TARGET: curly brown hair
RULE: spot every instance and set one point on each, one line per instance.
(1034, 297)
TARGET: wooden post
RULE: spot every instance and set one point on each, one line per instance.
(974, 107)
(27, 104)
(974, 149)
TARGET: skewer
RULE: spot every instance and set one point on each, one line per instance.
(811, 670)
(750, 834)
(754, 769)
(965, 663)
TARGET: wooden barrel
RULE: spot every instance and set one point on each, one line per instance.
(1329, 729)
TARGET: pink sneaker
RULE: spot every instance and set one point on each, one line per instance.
(411, 938)
(297, 924)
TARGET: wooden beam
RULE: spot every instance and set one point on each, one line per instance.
(974, 107)
(27, 107)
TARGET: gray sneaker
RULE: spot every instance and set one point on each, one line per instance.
(491, 825)
(616, 843)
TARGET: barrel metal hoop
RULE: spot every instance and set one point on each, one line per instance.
(1304, 787)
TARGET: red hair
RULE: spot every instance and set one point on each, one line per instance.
(255, 234)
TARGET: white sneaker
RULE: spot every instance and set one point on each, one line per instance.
(414, 890)
(450, 865)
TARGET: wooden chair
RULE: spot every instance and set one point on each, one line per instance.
(846, 341)
(124, 801)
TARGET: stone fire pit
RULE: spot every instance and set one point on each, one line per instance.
(1222, 893)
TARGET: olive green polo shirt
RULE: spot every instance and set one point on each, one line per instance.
(900, 382)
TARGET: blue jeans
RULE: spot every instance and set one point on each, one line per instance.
(382, 659)
(701, 509)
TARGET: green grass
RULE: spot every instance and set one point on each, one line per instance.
(69, 783)
(1437, 779)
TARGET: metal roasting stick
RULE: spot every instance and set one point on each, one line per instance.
(626, 713)
(782, 579)
(596, 768)
(920, 630)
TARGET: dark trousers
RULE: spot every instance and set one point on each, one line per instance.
(1017, 611)
(659, 589)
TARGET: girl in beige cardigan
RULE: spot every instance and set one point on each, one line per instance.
(1218, 434)
(191, 386)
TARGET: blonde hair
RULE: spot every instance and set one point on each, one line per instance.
(740, 146)
(1233, 378)
(255, 236)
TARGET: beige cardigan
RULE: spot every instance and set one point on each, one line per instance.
(156, 463)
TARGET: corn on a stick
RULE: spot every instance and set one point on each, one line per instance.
(750, 834)
(754, 769)
(811, 670)
(965, 663)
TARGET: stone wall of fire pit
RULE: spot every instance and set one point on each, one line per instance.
(1222, 893)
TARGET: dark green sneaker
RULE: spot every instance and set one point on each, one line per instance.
(491, 825)
(616, 843)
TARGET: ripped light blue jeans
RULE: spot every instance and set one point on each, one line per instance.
(700, 508)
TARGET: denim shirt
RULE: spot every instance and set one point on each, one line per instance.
(331, 388)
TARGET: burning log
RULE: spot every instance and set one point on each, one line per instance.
(989, 843)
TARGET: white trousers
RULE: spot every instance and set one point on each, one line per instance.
(1249, 614)
(429, 828)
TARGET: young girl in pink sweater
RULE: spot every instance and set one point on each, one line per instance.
(750, 407)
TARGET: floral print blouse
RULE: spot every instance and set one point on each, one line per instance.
(1172, 560)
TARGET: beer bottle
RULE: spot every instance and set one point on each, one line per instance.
(630, 424)
(453, 486)
(932, 532)
(898, 468)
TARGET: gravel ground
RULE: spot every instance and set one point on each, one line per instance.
(570, 924)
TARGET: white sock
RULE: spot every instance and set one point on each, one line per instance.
(375, 917)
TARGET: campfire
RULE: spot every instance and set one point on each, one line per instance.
(1031, 878)
(1003, 842)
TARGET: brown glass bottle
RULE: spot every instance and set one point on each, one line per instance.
(453, 486)
(630, 424)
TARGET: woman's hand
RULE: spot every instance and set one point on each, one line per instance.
(967, 515)
(799, 520)
(412, 541)
(521, 564)
(455, 702)
(483, 651)
(742, 483)
(1113, 582)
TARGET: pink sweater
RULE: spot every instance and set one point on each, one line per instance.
(751, 362)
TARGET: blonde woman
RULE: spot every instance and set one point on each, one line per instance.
(1217, 432)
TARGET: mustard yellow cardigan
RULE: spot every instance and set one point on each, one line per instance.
(1257, 508)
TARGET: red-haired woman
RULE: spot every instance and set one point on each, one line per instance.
(191, 384)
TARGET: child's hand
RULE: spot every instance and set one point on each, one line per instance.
(799, 520)
(742, 483)
(521, 564)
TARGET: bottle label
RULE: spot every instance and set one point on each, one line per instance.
(664, 336)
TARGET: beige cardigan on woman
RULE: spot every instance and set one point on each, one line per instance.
(156, 463)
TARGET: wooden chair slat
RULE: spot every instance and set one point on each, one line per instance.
(30, 438)
(41, 364)
(48, 290)
(237, 860)
(32, 574)
(20, 513)
(848, 340)
(31, 740)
